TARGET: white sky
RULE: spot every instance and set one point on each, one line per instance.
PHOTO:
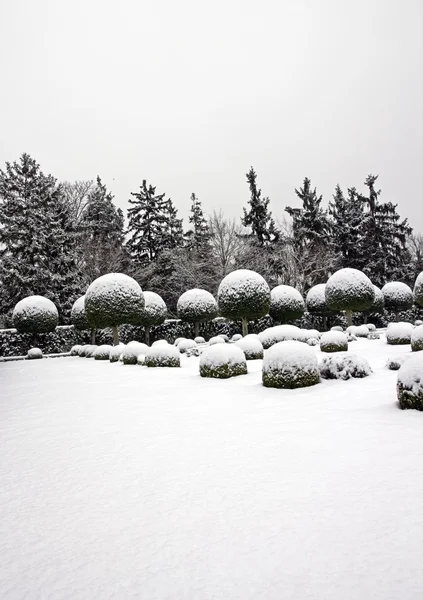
(189, 94)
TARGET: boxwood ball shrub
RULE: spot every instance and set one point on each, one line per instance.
(378, 304)
(279, 333)
(196, 306)
(185, 345)
(216, 339)
(154, 313)
(78, 316)
(312, 341)
(89, 351)
(362, 331)
(251, 346)
(418, 290)
(336, 328)
(290, 365)
(316, 302)
(102, 352)
(34, 354)
(344, 366)
(115, 353)
(35, 314)
(244, 295)
(397, 296)
(75, 350)
(162, 355)
(395, 362)
(286, 304)
(236, 337)
(417, 339)
(222, 361)
(349, 290)
(334, 341)
(82, 350)
(199, 340)
(410, 383)
(112, 300)
(399, 333)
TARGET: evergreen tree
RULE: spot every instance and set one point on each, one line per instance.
(258, 217)
(347, 218)
(198, 237)
(384, 236)
(38, 241)
(173, 235)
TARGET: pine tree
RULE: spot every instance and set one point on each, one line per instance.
(347, 218)
(39, 246)
(258, 217)
(384, 236)
(173, 235)
(198, 237)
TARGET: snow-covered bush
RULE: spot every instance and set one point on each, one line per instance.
(178, 340)
(222, 361)
(373, 335)
(395, 362)
(244, 295)
(34, 353)
(316, 302)
(351, 337)
(418, 290)
(115, 353)
(102, 352)
(410, 383)
(78, 316)
(397, 296)
(313, 341)
(236, 337)
(90, 349)
(290, 365)
(140, 347)
(349, 290)
(417, 339)
(82, 350)
(378, 303)
(371, 327)
(35, 314)
(251, 346)
(418, 322)
(161, 342)
(162, 355)
(185, 345)
(333, 341)
(129, 355)
(336, 328)
(112, 300)
(344, 366)
(196, 306)
(286, 304)
(279, 333)
(399, 333)
(362, 331)
(216, 340)
(224, 337)
(75, 349)
(199, 340)
(153, 313)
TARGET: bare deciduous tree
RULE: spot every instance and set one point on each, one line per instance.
(225, 240)
(76, 195)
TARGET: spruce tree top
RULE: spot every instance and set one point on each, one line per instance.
(243, 294)
(349, 289)
(113, 299)
(155, 310)
(418, 290)
(35, 314)
(196, 306)
(259, 218)
(78, 316)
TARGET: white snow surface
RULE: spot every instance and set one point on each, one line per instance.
(123, 483)
(222, 354)
(410, 374)
(33, 306)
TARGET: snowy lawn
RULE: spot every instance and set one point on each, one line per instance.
(126, 482)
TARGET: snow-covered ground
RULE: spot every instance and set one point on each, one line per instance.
(124, 482)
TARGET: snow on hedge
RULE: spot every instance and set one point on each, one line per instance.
(162, 355)
(333, 341)
(185, 345)
(243, 294)
(349, 290)
(418, 290)
(199, 340)
(397, 296)
(196, 306)
(279, 333)
(286, 303)
(290, 364)
(34, 353)
(217, 339)
(251, 346)
(344, 366)
(362, 331)
(417, 339)
(399, 333)
(236, 337)
(75, 350)
(222, 361)
(116, 352)
(35, 314)
(395, 362)
(102, 352)
(410, 383)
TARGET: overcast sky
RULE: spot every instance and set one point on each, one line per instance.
(188, 94)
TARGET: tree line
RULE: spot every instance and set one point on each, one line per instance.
(57, 237)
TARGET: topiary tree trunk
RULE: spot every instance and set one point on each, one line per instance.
(93, 337)
(348, 314)
(147, 334)
(196, 329)
(115, 335)
(244, 326)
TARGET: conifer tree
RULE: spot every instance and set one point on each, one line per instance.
(198, 236)
(310, 223)
(258, 217)
(173, 235)
(347, 218)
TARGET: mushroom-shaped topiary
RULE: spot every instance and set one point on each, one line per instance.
(112, 300)
(196, 306)
(397, 296)
(334, 341)
(290, 365)
(417, 339)
(79, 317)
(410, 383)
(222, 361)
(349, 290)
(244, 295)
(377, 306)
(35, 314)
(153, 313)
(418, 290)
(286, 304)
(316, 302)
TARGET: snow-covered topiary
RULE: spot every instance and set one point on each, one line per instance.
(313, 333)
(236, 337)
(378, 303)
(199, 340)
(373, 335)
(217, 339)
(102, 352)
(336, 328)
(351, 337)
(417, 339)
(333, 341)
(116, 352)
(290, 365)
(349, 290)
(244, 295)
(399, 333)
(286, 304)
(112, 300)
(316, 302)
(82, 350)
(362, 331)
(395, 362)
(75, 350)
(224, 337)
(161, 342)
(130, 354)
(344, 366)
(196, 306)
(418, 290)
(418, 322)
(185, 345)
(162, 356)
(89, 352)
(153, 313)
(410, 383)
(397, 296)
(35, 314)
(313, 341)
(78, 316)
(371, 327)
(279, 333)
(251, 346)
(178, 340)
(34, 354)
(222, 361)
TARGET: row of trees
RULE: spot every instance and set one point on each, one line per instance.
(56, 238)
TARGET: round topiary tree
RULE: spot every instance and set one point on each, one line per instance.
(196, 306)
(113, 299)
(290, 365)
(79, 318)
(418, 290)
(397, 297)
(154, 313)
(316, 303)
(35, 314)
(349, 290)
(286, 304)
(377, 306)
(410, 383)
(244, 295)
